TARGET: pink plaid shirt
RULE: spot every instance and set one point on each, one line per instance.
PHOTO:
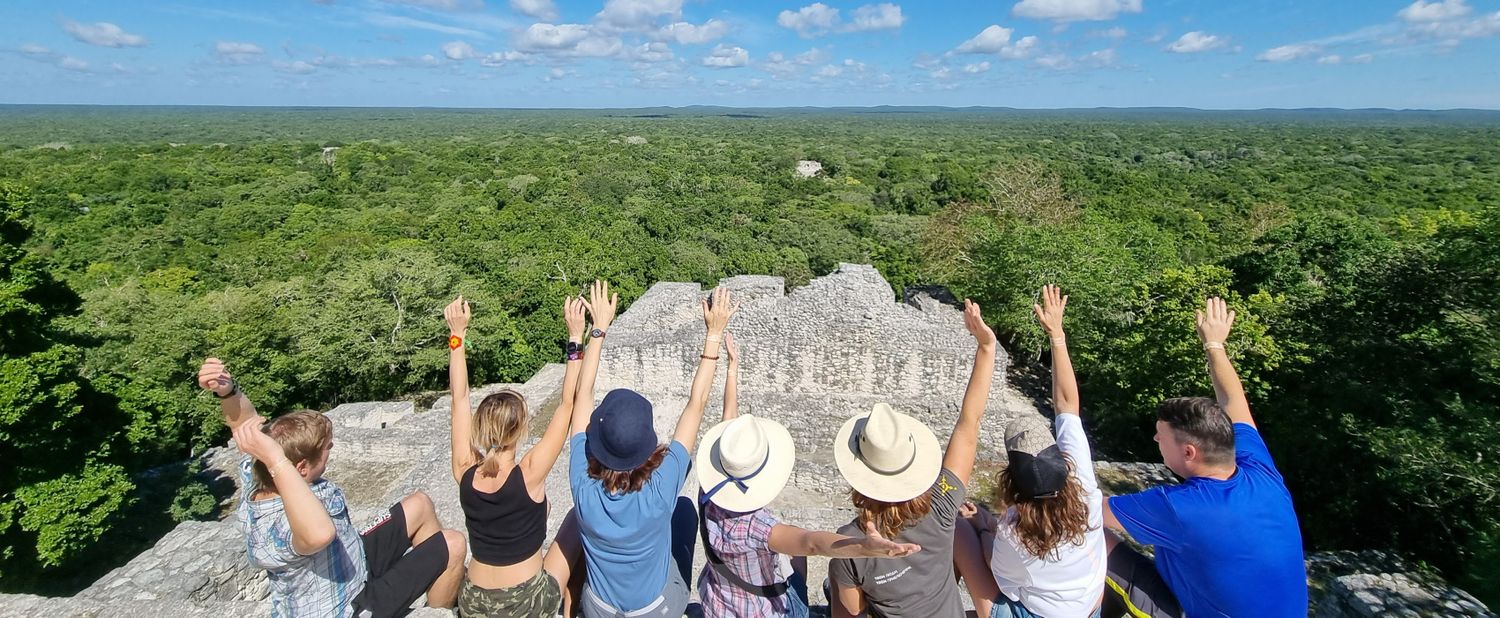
(742, 541)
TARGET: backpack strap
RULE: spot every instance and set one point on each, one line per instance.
(717, 564)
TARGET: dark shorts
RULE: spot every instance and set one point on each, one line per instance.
(1134, 588)
(397, 577)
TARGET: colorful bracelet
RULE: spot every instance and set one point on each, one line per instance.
(455, 342)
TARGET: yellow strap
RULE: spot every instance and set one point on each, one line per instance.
(1135, 612)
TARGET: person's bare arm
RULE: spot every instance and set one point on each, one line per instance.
(457, 315)
(312, 528)
(539, 460)
(1214, 324)
(850, 602)
(601, 306)
(214, 377)
(963, 444)
(794, 541)
(1064, 384)
(715, 318)
(732, 378)
(1110, 521)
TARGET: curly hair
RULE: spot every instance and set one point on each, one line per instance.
(890, 518)
(627, 481)
(1042, 525)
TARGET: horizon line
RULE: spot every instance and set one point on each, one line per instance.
(783, 107)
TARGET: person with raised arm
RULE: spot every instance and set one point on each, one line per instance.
(743, 465)
(297, 524)
(625, 483)
(909, 493)
(1047, 549)
(504, 497)
(1227, 540)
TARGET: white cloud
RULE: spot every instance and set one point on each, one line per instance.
(818, 19)
(103, 34)
(398, 21)
(1195, 42)
(1112, 33)
(72, 64)
(442, 5)
(231, 52)
(883, 16)
(32, 49)
(552, 36)
(1289, 52)
(459, 50)
(655, 51)
(690, 34)
(1442, 10)
(727, 57)
(495, 59)
(830, 71)
(1074, 10)
(1362, 59)
(544, 10)
(996, 40)
(1101, 58)
(781, 66)
(1452, 31)
(1331, 59)
(558, 73)
(811, 20)
(297, 67)
(979, 67)
(638, 15)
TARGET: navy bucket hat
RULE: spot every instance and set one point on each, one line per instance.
(620, 434)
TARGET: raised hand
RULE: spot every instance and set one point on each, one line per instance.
(573, 316)
(214, 376)
(256, 443)
(457, 315)
(732, 347)
(716, 315)
(1215, 321)
(876, 545)
(974, 321)
(1050, 311)
(602, 304)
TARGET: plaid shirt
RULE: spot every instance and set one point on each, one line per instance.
(322, 584)
(742, 541)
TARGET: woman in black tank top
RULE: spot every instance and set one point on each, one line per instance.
(503, 496)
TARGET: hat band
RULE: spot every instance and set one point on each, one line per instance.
(739, 481)
(858, 450)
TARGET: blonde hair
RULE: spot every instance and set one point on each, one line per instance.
(302, 435)
(890, 518)
(499, 423)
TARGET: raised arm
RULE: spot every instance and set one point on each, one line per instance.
(457, 315)
(715, 317)
(312, 528)
(214, 377)
(794, 541)
(540, 459)
(1064, 384)
(732, 379)
(601, 305)
(963, 444)
(1214, 324)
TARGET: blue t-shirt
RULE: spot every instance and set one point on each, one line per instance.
(627, 538)
(1226, 548)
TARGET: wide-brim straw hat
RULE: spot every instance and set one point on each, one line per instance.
(887, 456)
(756, 452)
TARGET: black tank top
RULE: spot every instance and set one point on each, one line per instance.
(507, 526)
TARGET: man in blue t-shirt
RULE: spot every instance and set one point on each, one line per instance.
(1227, 541)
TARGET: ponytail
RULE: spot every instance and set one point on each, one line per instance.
(499, 424)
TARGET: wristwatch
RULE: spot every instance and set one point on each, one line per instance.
(234, 389)
(596, 333)
(574, 351)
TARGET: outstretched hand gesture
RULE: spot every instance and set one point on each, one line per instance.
(457, 315)
(875, 545)
(1215, 321)
(573, 316)
(602, 304)
(974, 321)
(1050, 311)
(716, 314)
(214, 376)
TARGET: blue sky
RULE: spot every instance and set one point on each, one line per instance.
(631, 53)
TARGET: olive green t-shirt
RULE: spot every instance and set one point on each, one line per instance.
(920, 585)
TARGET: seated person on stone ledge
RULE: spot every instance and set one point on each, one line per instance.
(912, 494)
(298, 526)
(743, 465)
(1227, 541)
(505, 498)
(1047, 549)
(625, 484)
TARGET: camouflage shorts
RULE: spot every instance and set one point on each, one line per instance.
(536, 597)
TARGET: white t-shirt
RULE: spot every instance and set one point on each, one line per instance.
(1070, 581)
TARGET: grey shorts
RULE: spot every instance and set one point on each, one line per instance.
(1135, 588)
(672, 601)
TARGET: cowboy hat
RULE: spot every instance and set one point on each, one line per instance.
(887, 456)
(745, 462)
